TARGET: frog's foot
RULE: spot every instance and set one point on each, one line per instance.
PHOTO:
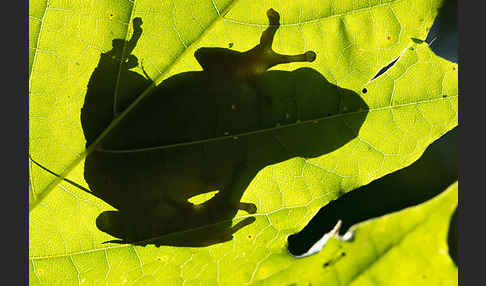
(111, 222)
(310, 56)
(267, 55)
(273, 17)
(227, 234)
(248, 207)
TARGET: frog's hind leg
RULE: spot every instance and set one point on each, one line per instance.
(231, 194)
(126, 227)
(227, 234)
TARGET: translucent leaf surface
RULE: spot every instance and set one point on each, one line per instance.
(402, 248)
(410, 106)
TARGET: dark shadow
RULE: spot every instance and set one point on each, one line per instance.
(452, 237)
(426, 178)
(100, 105)
(204, 131)
(443, 35)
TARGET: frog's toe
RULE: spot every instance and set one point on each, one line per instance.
(248, 207)
(273, 16)
(110, 222)
(310, 56)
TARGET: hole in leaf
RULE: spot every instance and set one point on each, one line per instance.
(385, 68)
(417, 41)
(365, 90)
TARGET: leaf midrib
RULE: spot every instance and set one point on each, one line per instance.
(62, 176)
(264, 130)
(270, 129)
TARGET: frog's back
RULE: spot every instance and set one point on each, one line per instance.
(184, 108)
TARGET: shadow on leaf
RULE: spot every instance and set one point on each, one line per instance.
(429, 176)
(202, 131)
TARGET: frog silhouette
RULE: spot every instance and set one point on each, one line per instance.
(204, 131)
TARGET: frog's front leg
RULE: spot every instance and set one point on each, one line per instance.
(266, 40)
(262, 57)
(230, 64)
(232, 192)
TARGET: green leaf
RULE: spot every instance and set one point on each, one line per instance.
(402, 248)
(410, 106)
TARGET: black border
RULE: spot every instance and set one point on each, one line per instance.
(471, 194)
(14, 116)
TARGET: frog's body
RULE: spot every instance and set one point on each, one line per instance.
(202, 131)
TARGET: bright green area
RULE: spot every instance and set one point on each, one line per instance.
(411, 105)
(408, 247)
